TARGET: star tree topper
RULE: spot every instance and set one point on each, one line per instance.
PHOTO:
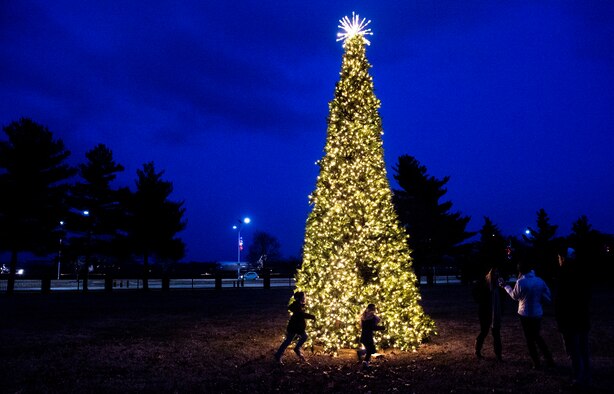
(353, 27)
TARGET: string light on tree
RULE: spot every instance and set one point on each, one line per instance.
(355, 251)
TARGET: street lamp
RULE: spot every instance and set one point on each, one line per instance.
(60, 247)
(88, 250)
(240, 242)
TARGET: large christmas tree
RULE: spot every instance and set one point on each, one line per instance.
(355, 251)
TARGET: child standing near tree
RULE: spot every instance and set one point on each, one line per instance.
(368, 324)
(296, 326)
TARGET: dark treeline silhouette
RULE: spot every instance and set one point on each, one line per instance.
(438, 237)
(540, 247)
(48, 207)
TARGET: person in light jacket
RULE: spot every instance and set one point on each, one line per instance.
(531, 291)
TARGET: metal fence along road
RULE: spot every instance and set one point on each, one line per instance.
(199, 283)
(135, 284)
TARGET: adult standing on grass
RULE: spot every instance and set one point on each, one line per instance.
(571, 307)
(531, 291)
(296, 327)
(486, 293)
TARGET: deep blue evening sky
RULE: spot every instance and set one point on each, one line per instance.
(514, 100)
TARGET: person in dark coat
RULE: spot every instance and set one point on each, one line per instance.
(368, 324)
(296, 327)
(488, 298)
(571, 306)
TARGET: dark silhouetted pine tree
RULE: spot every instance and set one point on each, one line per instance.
(542, 251)
(155, 220)
(33, 184)
(98, 234)
(434, 231)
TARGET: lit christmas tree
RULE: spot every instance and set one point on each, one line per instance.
(355, 251)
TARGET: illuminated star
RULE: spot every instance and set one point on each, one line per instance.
(355, 26)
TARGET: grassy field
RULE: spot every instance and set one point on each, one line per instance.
(223, 341)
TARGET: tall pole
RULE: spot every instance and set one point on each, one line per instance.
(60, 247)
(239, 252)
(88, 250)
(239, 242)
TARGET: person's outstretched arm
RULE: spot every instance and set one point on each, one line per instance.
(513, 292)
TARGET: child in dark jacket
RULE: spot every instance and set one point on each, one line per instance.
(368, 323)
(296, 326)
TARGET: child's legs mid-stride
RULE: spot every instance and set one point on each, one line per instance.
(302, 337)
(289, 338)
(369, 348)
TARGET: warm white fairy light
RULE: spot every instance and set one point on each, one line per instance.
(355, 26)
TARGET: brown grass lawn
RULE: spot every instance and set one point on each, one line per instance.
(208, 341)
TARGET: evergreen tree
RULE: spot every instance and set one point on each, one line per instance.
(589, 245)
(155, 220)
(434, 231)
(33, 177)
(99, 231)
(264, 248)
(492, 247)
(355, 251)
(542, 249)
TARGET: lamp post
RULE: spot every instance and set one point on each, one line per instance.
(88, 247)
(240, 242)
(60, 247)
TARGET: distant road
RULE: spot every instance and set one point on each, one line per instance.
(134, 284)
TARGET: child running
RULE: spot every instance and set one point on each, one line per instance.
(296, 326)
(368, 323)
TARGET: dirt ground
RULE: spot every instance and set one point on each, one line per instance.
(209, 341)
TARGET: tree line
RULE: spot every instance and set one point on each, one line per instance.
(438, 236)
(48, 206)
